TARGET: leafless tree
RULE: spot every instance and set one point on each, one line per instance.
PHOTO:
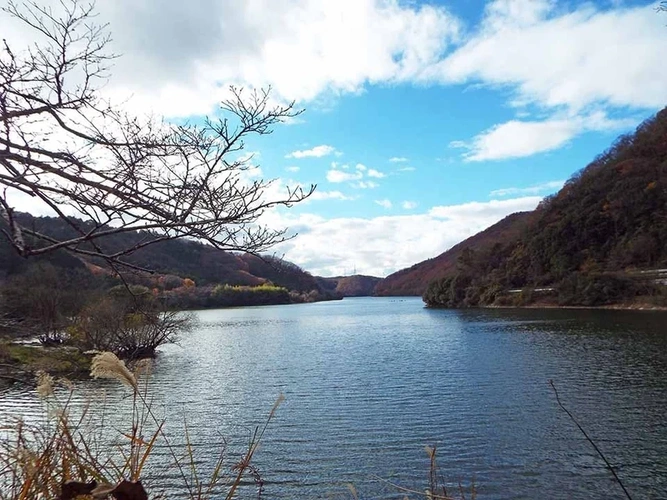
(61, 143)
(108, 326)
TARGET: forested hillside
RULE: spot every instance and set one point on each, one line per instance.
(182, 257)
(601, 240)
(168, 264)
(351, 286)
(415, 279)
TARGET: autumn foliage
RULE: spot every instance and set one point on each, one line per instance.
(602, 239)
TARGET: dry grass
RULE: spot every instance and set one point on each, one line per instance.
(67, 457)
(436, 489)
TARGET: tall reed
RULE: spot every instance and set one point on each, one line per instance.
(65, 456)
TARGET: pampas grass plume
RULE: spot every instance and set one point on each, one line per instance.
(107, 365)
(44, 384)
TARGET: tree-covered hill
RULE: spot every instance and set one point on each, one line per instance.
(182, 258)
(357, 285)
(415, 279)
(601, 240)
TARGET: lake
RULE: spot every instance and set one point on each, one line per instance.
(370, 382)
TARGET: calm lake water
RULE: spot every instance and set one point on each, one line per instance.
(369, 382)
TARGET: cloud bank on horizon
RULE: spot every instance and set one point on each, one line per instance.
(427, 121)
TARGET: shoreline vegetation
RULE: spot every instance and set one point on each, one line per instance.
(609, 307)
(132, 322)
(69, 306)
(70, 456)
(600, 241)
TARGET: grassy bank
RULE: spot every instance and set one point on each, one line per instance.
(20, 362)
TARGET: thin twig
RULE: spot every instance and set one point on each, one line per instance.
(609, 466)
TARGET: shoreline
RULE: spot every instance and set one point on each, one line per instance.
(20, 363)
(608, 307)
(545, 305)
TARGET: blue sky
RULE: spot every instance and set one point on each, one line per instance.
(425, 121)
(408, 135)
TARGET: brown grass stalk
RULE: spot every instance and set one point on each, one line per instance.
(65, 454)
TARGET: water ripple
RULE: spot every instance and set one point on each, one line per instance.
(370, 382)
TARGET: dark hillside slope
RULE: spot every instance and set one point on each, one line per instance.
(415, 279)
(612, 214)
(281, 272)
(587, 241)
(185, 258)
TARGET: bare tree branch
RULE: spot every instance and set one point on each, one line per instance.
(595, 446)
(63, 145)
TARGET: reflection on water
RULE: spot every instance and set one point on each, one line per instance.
(370, 382)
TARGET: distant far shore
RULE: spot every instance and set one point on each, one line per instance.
(613, 307)
(609, 307)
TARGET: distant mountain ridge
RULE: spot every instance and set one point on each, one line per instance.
(185, 258)
(202, 263)
(415, 279)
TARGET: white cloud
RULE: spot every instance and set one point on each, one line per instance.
(409, 205)
(329, 195)
(407, 169)
(564, 60)
(374, 173)
(385, 203)
(503, 14)
(382, 245)
(251, 172)
(292, 169)
(295, 46)
(518, 139)
(23, 202)
(484, 210)
(343, 173)
(294, 120)
(548, 55)
(365, 185)
(553, 57)
(249, 157)
(316, 152)
(536, 189)
(337, 176)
